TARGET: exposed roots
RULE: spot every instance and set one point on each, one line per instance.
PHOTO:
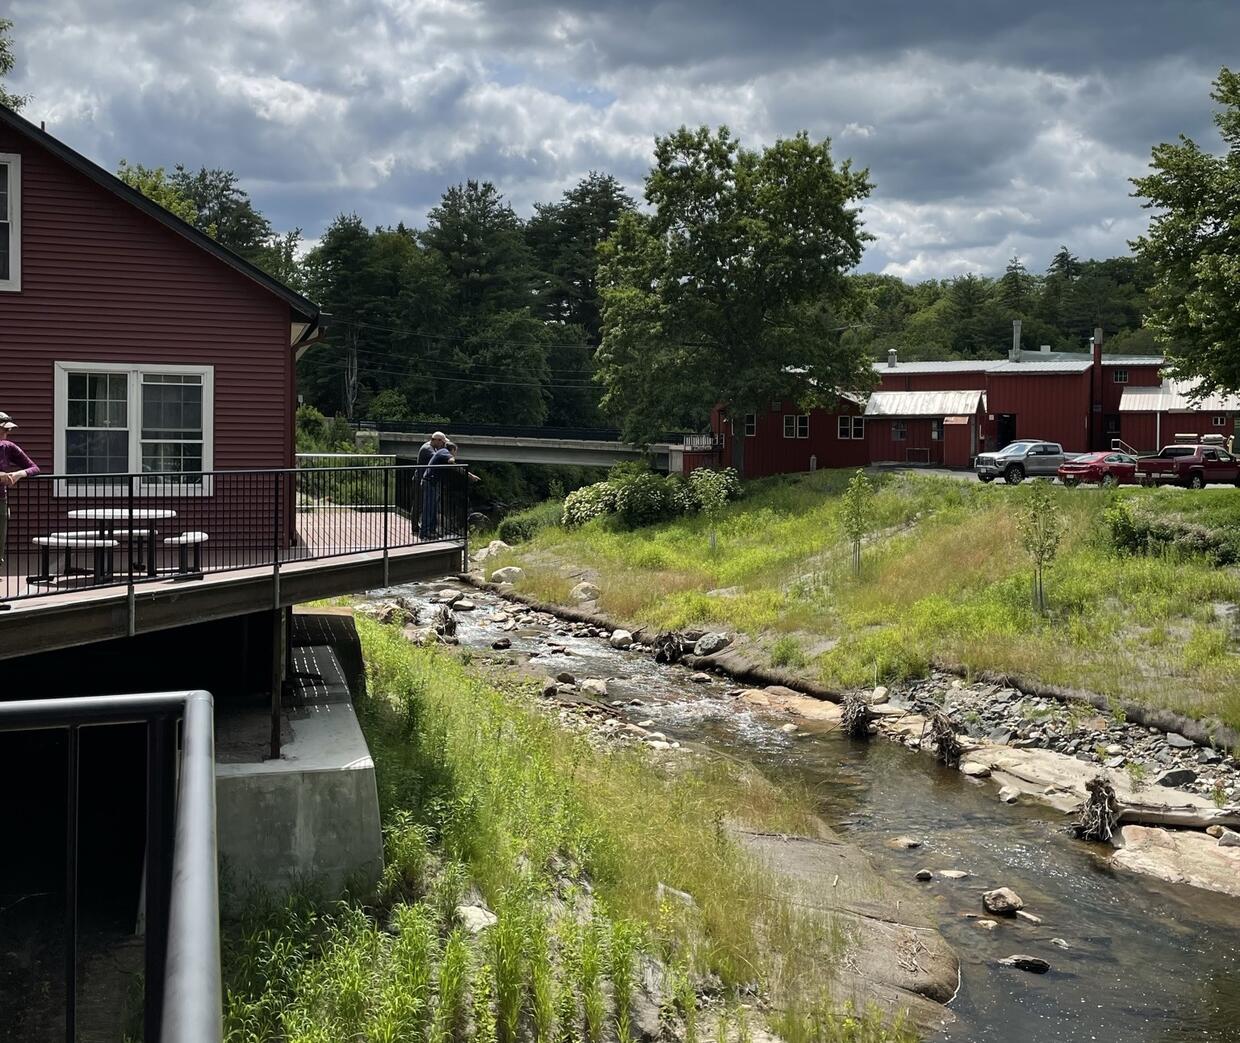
(1100, 812)
(668, 647)
(943, 735)
(444, 623)
(855, 716)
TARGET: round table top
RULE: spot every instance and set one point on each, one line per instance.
(121, 514)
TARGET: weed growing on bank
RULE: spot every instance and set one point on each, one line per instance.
(485, 798)
(1129, 596)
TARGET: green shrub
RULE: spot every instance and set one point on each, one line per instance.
(525, 525)
(641, 499)
(1135, 531)
(787, 652)
(589, 502)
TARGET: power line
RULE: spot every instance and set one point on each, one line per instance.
(463, 380)
(468, 367)
(331, 320)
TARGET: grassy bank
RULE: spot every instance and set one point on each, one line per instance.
(945, 578)
(486, 798)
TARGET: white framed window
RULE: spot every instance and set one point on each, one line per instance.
(1120, 376)
(899, 430)
(858, 427)
(936, 430)
(10, 222)
(796, 425)
(750, 424)
(1219, 421)
(851, 427)
(115, 419)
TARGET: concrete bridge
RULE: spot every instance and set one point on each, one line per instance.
(583, 447)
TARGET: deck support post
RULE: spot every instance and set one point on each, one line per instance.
(279, 647)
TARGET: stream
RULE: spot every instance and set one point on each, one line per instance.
(1146, 960)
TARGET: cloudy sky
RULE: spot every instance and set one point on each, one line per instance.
(990, 127)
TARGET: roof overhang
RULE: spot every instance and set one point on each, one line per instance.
(916, 404)
(1174, 396)
(304, 311)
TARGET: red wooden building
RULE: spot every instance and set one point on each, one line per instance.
(132, 341)
(945, 413)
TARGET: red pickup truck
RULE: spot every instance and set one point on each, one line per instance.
(1193, 466)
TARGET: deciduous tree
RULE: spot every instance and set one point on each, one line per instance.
(7, 62)
(1041, 529)
(733, 289)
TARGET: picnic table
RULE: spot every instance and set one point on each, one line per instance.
(107, 517)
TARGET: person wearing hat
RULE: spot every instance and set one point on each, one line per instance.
(14, 466)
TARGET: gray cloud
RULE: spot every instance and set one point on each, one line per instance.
(989, 128)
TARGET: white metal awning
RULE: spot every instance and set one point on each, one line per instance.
(925, 403)
(1174, 396)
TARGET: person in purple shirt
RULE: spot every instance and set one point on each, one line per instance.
(14, 466)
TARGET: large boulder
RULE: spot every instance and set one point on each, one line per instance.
(595, 686)
(491, 550)
(621, 639)
(709, 644)
(475, 919)
(584, 591)
(1002, 901)
(508, 574)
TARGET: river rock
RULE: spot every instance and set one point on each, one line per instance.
(508, 574)
(550, 689)
(987, 925)
(475, 919)
(1032, 964)
(788, 729)
(1214, 831)
(974, 770)
(1002, 901)
(709, 644)
(1177, 741)
(658, 744)
(923, 875)
(1009, 795)
(953, 874)
(1060, 943)
(904, 843)
(491, 550)
(1177, 777)
(501, 643)
(620, 639)
(1114, 750)
(879, 695)
(595, 686)
(1029, 918)
(700, 678)
(564, 677)
(755, 696)
(448, 597)
(1229, 838)
(463, 605)
(584, 591)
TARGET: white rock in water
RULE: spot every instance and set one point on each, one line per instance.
(1002, 900)
(953, 874)
(584, 591)
(709, 644)
(1028, 917)
(988, 925)
(974, 769)
(595, 686)
(621, 639)
(906, 843)
(700, 678)
(464, 605)
(1009, 795)
(475, 919)
(508, 574)
(879, 695)
(789, 728)
(448, 597)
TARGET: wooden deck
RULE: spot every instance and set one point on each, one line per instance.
(82, 615)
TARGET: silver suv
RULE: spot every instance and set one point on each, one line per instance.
(1019, 460)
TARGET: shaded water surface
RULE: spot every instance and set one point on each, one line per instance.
(1147, 961)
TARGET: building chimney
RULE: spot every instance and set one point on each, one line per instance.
(1097, 345)
(891, 359)
(1045, 349)
(1014, 354)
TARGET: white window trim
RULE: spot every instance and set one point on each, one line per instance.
(13, 283)
(858, 424)
(749, 425)
(796, 419)
(843, 427)
(1119, 376)
(1218, 421)
(68, 487)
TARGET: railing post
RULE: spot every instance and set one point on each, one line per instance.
(386, 513)
(129, 543)
(161, 743)
(275, 543)
(71, 885)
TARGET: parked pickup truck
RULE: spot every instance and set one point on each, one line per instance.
(1193, 466)
(1020, 460)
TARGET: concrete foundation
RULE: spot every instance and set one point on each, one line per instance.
(311, 817)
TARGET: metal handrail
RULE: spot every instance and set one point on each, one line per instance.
(184, 996)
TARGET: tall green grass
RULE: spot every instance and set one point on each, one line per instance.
(944, 580)
(567, 844)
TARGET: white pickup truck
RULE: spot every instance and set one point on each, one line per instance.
(1026, 458)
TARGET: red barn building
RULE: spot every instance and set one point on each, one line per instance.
(1151, 416)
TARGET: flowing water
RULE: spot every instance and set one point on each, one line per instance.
(1147, 961)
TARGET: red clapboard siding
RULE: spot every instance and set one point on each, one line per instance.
(1054, 406)
(104, 282)
(1148, 433)
(768, 452)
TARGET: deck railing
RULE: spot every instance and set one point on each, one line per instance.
(182, 1000)
(69, 532)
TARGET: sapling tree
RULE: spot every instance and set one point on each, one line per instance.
(712, 490)
(1041, 529)
(856, 514)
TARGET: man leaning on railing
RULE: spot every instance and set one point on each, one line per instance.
(14, 466)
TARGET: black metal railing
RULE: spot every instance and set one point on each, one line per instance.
(69, 532)
(582, 434)
(182, 1000)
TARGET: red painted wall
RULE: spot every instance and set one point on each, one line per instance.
(917, 447)
(104, 282)
(768, 452)
(1054, 406)
(1142, 430)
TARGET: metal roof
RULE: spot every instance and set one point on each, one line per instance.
(305, 309)
(1174, 396)
(1133, 360)
(1032, 366)
(952, 366)
(924, 403)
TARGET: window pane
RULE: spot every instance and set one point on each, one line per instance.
(4, 192)
(4, 250)
(96, 452)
